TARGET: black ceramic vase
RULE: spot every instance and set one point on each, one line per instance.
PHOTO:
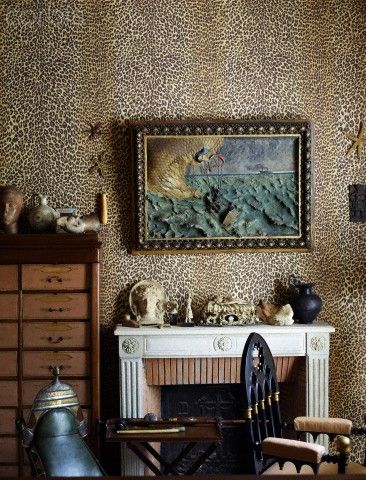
(306, 305)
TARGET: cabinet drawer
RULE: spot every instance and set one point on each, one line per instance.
(8, 449)
(56, 305)
(9, 335)
(55, 334)
(55, 277)
(38, 364)
(30, 389)
(7, 420)
(8, 277)
(9, 306)
(8, 393)
(9, 471)
(8, 363)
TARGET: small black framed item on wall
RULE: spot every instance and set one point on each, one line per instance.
(222, 186)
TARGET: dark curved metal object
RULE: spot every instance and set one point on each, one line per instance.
(58, 448)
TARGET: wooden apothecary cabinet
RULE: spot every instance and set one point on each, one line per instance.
(49, 315)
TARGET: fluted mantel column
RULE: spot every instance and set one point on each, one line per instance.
(317, 381)
(131, 396)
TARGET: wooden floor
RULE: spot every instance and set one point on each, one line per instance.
(249, 477)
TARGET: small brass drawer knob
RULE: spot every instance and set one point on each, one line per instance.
(58, 340)
(54, 279)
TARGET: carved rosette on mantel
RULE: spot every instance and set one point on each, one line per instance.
(130, 345)
(203, 346)
(223, 343)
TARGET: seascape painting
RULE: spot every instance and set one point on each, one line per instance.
(211, 187)
(222, 187)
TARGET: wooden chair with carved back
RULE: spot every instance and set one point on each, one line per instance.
(267, 452)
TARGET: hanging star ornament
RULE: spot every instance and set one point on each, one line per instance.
(94, 131)
(359, 141)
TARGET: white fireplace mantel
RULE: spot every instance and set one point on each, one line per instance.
(137, 344)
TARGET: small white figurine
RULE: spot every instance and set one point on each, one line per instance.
(189, 313)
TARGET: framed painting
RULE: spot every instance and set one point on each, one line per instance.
(223, 186)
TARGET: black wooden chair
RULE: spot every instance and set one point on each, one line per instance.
(267, 451)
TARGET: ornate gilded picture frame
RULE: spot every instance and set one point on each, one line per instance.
(222, 186)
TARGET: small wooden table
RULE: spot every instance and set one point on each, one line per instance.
(205, 431)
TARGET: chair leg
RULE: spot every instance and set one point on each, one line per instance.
(343, 446)
(343, 461)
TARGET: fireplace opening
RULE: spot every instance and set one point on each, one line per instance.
(222, 401)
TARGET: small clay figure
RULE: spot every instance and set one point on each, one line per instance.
(11, 206)
(79, 224)
(275, 314)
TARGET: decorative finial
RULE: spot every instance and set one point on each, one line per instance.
(343, 444)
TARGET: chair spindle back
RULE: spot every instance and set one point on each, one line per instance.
(260, 396)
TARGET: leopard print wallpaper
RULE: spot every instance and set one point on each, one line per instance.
(69, 63)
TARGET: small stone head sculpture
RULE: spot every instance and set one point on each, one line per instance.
(11, 206)
(148, 302)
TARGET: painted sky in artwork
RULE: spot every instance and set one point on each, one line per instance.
(247, 155)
